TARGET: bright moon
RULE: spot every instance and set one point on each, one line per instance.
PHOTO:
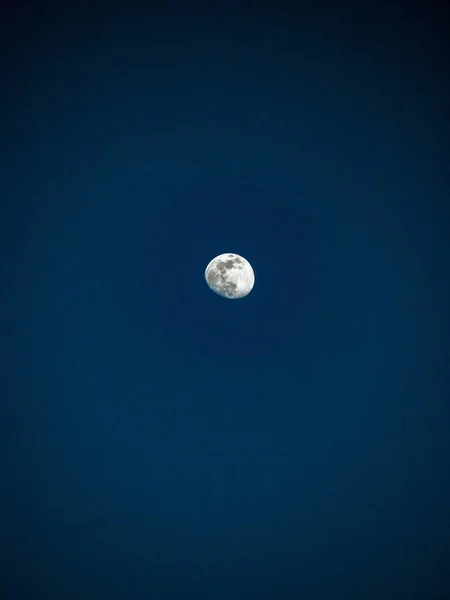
(230, 276)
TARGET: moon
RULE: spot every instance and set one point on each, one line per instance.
(230, 275)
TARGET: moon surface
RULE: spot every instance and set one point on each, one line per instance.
(230, 275)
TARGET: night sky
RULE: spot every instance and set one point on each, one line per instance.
(159, 441)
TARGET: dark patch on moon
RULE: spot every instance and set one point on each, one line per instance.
(216, 279)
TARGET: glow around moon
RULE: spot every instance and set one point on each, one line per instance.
(230, 276)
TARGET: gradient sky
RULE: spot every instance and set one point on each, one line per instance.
(158, 441)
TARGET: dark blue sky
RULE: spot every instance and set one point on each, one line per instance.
(158, 441)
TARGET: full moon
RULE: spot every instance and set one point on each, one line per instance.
(230, 276)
